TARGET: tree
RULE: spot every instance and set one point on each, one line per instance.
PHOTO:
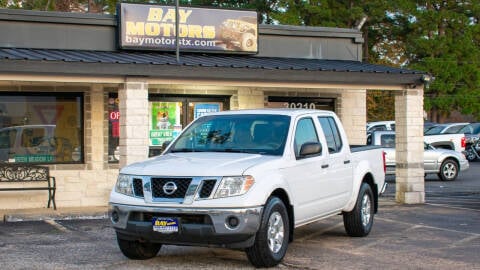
(443, 39)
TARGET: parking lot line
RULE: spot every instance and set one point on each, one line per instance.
(425, 226)
(452, 207)
(464, 240)
(57, 225)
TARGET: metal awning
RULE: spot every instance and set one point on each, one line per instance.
(195, 66)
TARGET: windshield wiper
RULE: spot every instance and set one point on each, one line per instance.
(178, 150)
(230, 150)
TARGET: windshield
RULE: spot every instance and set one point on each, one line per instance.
(471, 129)
(241, 133)
(435, 130)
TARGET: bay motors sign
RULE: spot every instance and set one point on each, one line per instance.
(152, 27)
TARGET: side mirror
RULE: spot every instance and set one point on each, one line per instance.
(310, 148)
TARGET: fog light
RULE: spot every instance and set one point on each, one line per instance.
(115, 218)
(232, 222)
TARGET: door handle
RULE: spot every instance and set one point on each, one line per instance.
(324, 166)
(346, 162)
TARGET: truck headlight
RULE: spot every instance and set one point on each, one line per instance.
(234, 186)
(124, 184)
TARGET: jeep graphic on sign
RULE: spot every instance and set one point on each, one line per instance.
(240, 33)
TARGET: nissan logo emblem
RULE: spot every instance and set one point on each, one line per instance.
(169, 188)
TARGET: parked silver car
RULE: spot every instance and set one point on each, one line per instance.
(445, 163)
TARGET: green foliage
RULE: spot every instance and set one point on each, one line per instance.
(442, 38)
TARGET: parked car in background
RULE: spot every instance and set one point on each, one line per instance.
(445, 141)
(472, 128)
(427, 125)
(380, 125)
(449, 128)
(472, 134)
(454, 142)
(443, 162)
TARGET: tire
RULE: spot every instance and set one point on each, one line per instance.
(271, 240)
(136, 250)
(470, 155)
(448, 170)
(359, 221)
(248, 42)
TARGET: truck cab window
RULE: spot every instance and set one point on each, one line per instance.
(332, 134)
(305, 132)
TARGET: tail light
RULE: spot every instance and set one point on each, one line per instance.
(384, 162)
(463, 143)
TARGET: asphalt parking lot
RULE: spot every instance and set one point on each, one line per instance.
(444, 233)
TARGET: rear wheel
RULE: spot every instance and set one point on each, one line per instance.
(271, 240)
(359, 221)
(137, 250)
(448, 170)
(470, 155)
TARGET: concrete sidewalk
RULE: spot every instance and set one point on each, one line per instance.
(65, 213)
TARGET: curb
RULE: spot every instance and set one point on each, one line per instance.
(21, 218)
(61, 214)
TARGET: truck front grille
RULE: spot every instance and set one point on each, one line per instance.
(207, 188)
(138, 187)
(172, 188)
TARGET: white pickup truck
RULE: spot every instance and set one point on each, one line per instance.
(245, 179)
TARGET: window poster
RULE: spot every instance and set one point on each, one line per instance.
(205, 108)
(165, 120)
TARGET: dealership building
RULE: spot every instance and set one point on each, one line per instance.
(86, 94)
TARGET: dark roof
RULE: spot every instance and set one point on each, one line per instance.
(196, 60)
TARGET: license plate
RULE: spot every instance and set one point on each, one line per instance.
(165, 225)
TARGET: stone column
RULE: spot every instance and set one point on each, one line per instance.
(97, 120)
(410, 181)
(133, 95)
(353, 114)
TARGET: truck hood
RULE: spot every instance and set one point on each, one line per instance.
(197, 164)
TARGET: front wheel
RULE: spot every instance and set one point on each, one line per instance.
(359, 221)
(448, 170)
(137, 250)
(271, 240)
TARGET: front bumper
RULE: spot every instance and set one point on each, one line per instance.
(198, 226)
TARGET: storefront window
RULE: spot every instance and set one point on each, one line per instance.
(170, 114)
(113, 128)
(41, 128)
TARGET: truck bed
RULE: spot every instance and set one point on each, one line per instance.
(359, 148)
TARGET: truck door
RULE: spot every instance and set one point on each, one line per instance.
(340, 170)
(306, 176)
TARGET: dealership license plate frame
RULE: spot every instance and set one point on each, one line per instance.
(166, 225)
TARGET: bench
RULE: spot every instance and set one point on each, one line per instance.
(22, 173)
